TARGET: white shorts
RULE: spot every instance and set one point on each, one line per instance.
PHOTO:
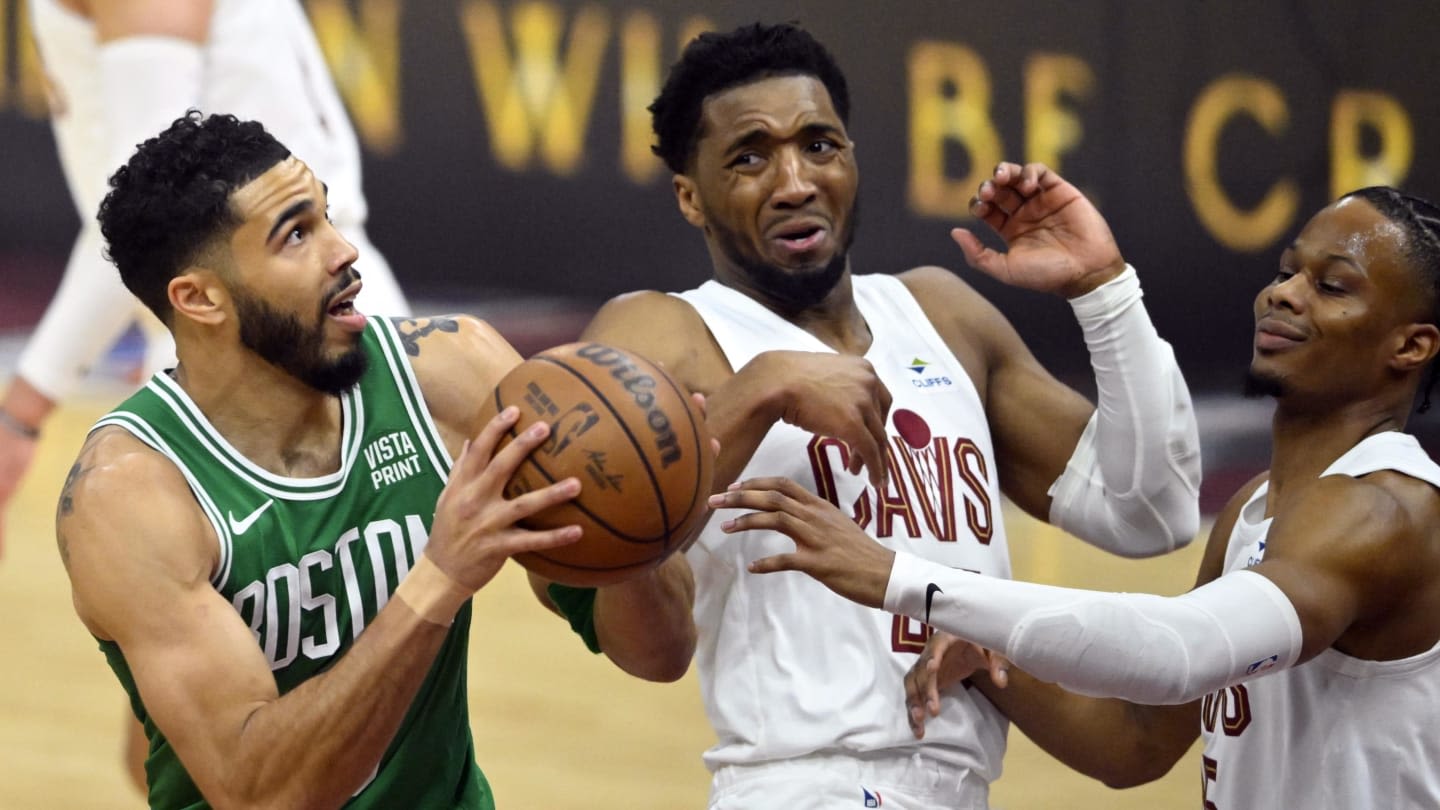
(844, 781)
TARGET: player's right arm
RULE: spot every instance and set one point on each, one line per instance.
(645, 625)
(141, 577)
(1120, 743)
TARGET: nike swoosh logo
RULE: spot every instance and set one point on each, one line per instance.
(238, 527)
(930, 591)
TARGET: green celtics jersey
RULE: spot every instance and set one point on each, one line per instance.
(307, 563)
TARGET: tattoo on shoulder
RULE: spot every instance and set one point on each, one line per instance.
(413, 329)
(67, 491)
(67, 503)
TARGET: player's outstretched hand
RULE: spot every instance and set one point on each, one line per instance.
(1057, 241)
(16, 454)
(946, 661)
(828, 544)
(830, 394)
(475, 527)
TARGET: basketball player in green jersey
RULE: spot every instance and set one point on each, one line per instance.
(275, 543)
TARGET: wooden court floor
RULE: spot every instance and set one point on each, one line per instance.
(555, 728)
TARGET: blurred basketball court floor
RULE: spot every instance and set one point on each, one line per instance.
(555, 727)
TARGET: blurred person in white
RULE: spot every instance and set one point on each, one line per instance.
(119, 72)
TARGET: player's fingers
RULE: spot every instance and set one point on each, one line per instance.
(977, 255)
(512, 543)
(773, 563)
(1007, 199)
(504, 463)
(1006, 171)
(999, 670)
(536, 501)
(1030, 179)
(478, 450)
(870, 449)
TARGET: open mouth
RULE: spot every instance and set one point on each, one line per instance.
(802, 238)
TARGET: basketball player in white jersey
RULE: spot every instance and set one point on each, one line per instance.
(908, 401)
(121, 71)
(1308, 654)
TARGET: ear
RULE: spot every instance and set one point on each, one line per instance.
(1418, 344)
(198, 294)
(687, 196)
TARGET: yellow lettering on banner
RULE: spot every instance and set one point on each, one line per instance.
(1051, 127)
(364, 58)
(640, 79)
(5, 86)
(1224, 99)
(949, 104)
(1349, 114)
(535, 94)
(639, 84)
(25, 91)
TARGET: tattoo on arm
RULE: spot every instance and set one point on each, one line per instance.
(413, 329)
(67, 504)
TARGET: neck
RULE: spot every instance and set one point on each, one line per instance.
(273, 419)
(1307, 440)
(835, 320)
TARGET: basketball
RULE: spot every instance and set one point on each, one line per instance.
(634, 438)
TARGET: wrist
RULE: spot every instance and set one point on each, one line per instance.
(1094, 281)
(12, 425)
(1105, 301)
(431, 594)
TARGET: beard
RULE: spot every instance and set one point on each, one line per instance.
(792, 290)
(282, 341)
(1259, 384)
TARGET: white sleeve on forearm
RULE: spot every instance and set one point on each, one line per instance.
(1132, 485)
(1140, 647)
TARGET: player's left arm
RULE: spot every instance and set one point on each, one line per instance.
(1125, 474)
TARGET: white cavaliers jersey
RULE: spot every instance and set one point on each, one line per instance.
(261, 63)
(788, 668)
(1336, 731)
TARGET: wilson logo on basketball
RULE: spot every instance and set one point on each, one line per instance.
(641, 387)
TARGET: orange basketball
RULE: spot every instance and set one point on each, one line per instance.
(636, 441)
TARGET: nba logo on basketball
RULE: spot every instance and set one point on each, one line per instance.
(872, 799)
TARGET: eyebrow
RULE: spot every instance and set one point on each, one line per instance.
(1332, 257)
(288, 214)
(292, 212)
(758, 134)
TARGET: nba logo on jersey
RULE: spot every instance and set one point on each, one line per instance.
(871, 799)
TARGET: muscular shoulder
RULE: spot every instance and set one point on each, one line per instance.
(666, 330)
(108, 545)
(457, 360)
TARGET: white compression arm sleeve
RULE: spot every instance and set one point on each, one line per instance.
(1140, 647)
(1132, 485)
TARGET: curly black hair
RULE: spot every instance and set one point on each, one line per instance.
(169, 202)
(714, 62)
(1420, 219)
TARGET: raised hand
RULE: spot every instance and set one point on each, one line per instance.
(1057, 240)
